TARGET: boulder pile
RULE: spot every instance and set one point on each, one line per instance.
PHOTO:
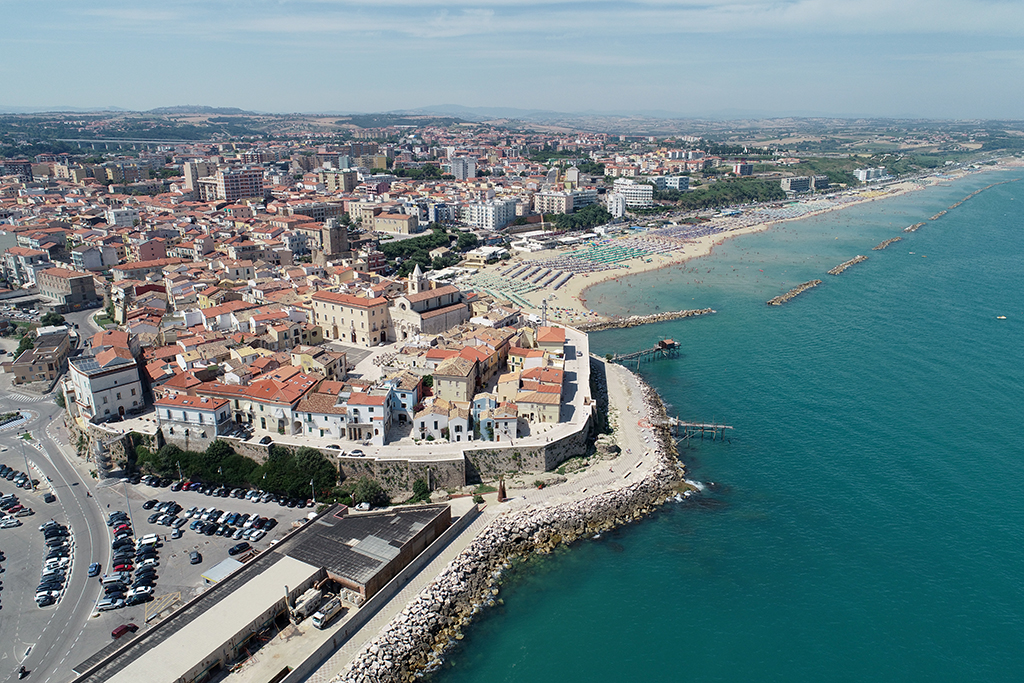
(415, 641)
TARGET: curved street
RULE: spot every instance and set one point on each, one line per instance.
(44, 640)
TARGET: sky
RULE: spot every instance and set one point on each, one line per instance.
(724, 58)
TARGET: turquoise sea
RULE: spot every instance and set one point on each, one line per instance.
(867, 518)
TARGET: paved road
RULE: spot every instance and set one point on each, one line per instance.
(52, 631)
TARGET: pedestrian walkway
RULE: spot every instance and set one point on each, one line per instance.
(22, 398)
(421, 580)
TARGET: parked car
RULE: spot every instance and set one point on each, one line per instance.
(122, 630)
(194, 557)
(238, 548)
(107, 604)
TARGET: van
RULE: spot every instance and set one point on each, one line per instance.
(110, 580)
(148, 539)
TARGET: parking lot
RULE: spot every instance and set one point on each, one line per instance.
(23, 622)
(22, 547)
(178, 580)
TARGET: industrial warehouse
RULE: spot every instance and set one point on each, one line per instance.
(350, 556)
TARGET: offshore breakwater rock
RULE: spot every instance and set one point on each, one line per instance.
(799, 289)
(846, 264)
(416, 640)
(635, 320)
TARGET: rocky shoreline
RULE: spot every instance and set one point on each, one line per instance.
(416, 641)
(635, 320)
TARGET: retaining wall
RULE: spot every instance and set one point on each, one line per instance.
(381, 598)
(416, 640)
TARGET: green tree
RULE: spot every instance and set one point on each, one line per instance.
(52, 318)
(420, 491)
(467, 241)
(26, 343)
(366, 490)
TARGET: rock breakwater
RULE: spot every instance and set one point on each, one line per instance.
(634, 320)
(416, 641)
(883, 245)
(799, 289)
(914, 227)
(846, 264)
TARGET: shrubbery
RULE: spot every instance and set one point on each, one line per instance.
(285, 472)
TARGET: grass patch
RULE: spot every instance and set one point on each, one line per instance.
(102, 320)
(27, 436)
(482, 489)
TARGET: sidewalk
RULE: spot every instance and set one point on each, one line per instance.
(625, 400)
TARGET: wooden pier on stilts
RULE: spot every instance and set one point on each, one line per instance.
(684, 430)
(666, 348)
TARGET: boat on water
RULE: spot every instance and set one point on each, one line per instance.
(1000, 317)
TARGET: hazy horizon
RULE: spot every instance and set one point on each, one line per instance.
(942, 59)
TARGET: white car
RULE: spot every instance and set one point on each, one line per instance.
(140, 590)
(151, 562)
(9, 522)
(257, 535)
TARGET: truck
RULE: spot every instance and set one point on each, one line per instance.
(328, 611)
(306, 604)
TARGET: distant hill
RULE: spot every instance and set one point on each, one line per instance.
(194, 109)
(398, 119)
(484, 113)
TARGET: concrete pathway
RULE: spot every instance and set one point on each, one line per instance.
(637, 441)
(421, 580)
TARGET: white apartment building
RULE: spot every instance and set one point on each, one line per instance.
(865, 175)
(106, 386)
(492, 215)
(122, 218)
(616, 205)
(205, 416)
(464, 168)
(634, 193)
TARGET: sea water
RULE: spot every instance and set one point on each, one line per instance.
(866, 521)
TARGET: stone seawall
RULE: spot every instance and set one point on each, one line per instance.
(634, 320)
(416, 641)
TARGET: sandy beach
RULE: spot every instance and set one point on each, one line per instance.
(569, 303)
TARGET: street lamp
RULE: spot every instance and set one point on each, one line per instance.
(28, 472)
(313, 490)
(128, 506)
(180, 478)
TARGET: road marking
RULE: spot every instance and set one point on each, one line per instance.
(81, 594)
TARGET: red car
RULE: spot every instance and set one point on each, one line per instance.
(123, 568)
(122, 527)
